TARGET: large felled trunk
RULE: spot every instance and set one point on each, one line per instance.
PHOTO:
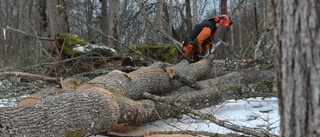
(65, 114)
(108, 100)
(155, 78)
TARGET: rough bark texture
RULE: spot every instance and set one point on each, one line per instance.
(297, 34)
(117, 98)
(134, 84)
(68, 113)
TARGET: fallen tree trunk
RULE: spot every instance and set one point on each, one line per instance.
(68, 113)
(95, 110)
(116, 98)
(154, 79)
(213, 119)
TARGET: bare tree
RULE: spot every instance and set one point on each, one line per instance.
(194, 11)
(188, 16)
(89, 15)
(110, 22)
(224, 10)
(255, 21)
(104, 19)
(58, 19)
(296, 32)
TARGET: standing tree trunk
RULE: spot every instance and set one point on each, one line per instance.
(170, 18)
(58, 19)
(224, 10)
(104, 19)
(256, 36)
(113, 22)
(223, 6)
(159, 20)
(194, 11)
(297, 34)
(53, 19)
(188, 16)
(89, 9)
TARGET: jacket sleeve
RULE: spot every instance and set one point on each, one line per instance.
(203, 35)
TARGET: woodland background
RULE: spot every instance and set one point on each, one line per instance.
(126, 23)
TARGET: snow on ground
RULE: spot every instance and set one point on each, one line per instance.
(11, 102)
(259, 113)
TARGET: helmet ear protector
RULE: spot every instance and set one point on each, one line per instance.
(223, 20)
(216, 19)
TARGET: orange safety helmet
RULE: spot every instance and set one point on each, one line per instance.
(224, 20)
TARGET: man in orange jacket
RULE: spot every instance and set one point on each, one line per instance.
(199, 42)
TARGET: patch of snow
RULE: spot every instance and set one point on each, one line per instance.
(11, 102)
(257, 113)
(80, 48)
(89, 47)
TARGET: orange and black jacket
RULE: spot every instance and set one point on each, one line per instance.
(202, 35)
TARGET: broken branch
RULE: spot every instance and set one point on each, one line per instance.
(233, 127)
(28, 75)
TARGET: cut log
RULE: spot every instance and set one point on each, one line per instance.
(28, 100)
(250, 76)
(68, 113)
(155, 79)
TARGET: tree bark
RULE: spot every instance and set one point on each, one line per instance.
(57, 17)
(188, 16)
(89, 16)
(113, 20)
(224, 10)
(297, 34)
(69, 113)
(134, 84)
(256, 36)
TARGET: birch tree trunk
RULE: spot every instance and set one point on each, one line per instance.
(297, 34)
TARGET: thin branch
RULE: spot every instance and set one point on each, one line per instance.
(29, 76)
(27, 34)
(226, 124)
(195, 133)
